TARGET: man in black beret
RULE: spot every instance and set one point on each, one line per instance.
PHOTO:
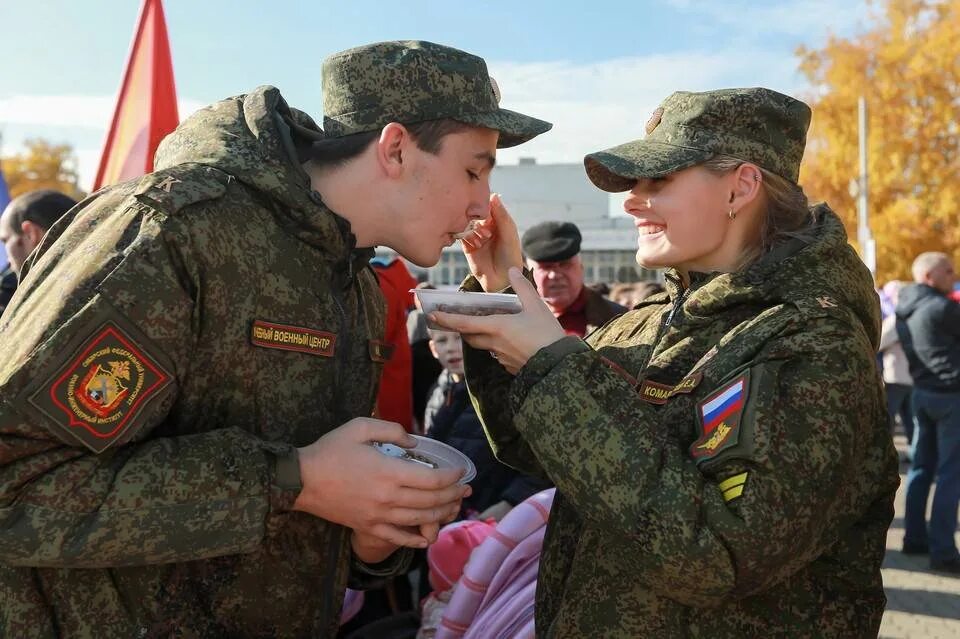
(552, 250)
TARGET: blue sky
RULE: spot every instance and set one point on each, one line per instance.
(596, 69)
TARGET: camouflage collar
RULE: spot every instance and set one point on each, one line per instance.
(251, 137)
(825, 265)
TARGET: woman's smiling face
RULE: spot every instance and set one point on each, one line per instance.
(682, 220)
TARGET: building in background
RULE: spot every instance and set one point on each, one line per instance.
(536, 193)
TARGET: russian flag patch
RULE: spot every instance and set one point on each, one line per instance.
(719, 419)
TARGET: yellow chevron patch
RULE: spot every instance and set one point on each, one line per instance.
(732, 487)
(730, 482)
(733, 493)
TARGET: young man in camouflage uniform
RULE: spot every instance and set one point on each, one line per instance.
(191, 364)
(721, 452)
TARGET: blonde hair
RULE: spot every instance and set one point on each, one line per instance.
(787, 215)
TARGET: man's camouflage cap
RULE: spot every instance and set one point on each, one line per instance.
(411, 81)
(756, 125)
(551, 241)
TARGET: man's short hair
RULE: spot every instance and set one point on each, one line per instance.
(42, 207)
(926, 262)
(428, 136)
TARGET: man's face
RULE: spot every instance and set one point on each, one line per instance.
(559, 283)
(17, 244)
(942, 277)
(443, 192)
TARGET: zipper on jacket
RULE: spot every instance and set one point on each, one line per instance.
(342, 357)
(342, 353)
(664, 325)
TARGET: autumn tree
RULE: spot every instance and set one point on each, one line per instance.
(907, 66)
(42, 165)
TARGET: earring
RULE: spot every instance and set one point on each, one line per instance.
(732, 214)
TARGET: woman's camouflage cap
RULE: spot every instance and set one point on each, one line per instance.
(411, 81)
(756, 125)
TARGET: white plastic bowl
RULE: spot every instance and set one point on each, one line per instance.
(464, 303)
(433, 454)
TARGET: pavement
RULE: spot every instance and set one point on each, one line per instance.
(920, 603)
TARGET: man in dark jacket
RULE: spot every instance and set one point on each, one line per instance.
(928, 324)
(23, 224)
(190, 366)
(552, 250)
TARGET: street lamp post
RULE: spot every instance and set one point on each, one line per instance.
(868, 248)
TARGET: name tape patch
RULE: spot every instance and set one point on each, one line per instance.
(657, 393)
(292, 338)
(99, 393)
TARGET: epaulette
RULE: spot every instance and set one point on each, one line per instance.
(172, 189)
(817, 306)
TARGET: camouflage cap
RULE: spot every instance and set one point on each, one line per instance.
(756, 125)
(412, 81)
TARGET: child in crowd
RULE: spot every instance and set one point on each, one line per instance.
(451, 419)
(446, 560)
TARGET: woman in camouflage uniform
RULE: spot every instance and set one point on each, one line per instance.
(721, 452)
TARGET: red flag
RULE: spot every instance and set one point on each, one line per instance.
(146, 108)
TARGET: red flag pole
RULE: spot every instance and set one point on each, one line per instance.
(164, 117)
(146, 108)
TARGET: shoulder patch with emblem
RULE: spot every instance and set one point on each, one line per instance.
(97, 395)
(719, 418)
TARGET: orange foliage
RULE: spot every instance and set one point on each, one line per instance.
(907, 66)
(42, 166)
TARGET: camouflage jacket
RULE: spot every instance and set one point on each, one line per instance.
(721, 455)
(174, 338)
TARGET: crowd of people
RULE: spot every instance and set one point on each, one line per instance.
(196, 363)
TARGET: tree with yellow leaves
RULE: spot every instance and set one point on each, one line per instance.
(42, 166)
(906, 66)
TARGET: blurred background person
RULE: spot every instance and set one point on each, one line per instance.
(928, 324)
(623, 294)
(601, 288)
(8, 286)
(896, 370)
(552, 250)
(426, 368)
(395, 396)
(632, 293)
(23, 224)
